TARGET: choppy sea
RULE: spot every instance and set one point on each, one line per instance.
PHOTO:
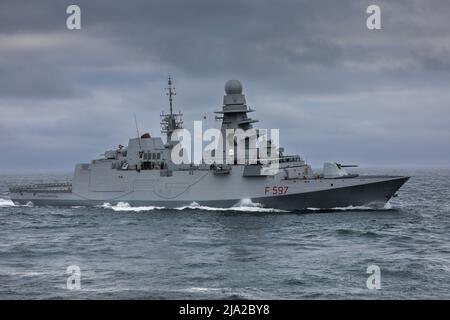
(244, 252)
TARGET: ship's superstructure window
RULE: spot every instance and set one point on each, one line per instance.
(148, 156)
(151, 160)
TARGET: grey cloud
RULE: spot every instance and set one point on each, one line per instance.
(310, 68)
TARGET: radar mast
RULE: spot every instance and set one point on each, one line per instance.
(170, 121)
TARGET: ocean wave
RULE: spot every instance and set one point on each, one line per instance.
(124, 206)
(387, 206)
(244, 205)
(348, 208)
(6, 203)
(230, 293)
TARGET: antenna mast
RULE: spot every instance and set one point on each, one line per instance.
(171, 121)
(137, 131)
(170, 93)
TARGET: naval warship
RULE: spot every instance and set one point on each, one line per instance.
(143, 174)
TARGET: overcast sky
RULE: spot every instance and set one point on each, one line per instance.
(336, 90)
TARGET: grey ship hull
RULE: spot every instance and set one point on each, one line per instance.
(372, 191)
(375, 194)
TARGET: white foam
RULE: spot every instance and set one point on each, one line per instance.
(244, 205)
(228, 291)
(201, 290)
(349, 208)
(354, 208)
(387, 206)
(124, 206)
(6, 203)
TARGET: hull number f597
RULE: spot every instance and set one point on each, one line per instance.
(276, 190)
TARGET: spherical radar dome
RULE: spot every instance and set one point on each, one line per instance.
(233, 87)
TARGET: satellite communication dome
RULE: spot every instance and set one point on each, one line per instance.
(233, 87)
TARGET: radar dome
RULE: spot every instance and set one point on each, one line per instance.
(233, 87)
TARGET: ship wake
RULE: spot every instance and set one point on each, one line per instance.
(370, 207)
(5, 203)
(244, 205)
(124, 206)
